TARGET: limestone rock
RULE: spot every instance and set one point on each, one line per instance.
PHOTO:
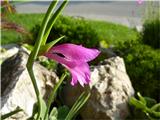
(8, 51)
(17, 88)
(110, 91)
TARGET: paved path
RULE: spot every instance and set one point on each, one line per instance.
(128, 13)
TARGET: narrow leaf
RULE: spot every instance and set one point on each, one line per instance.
(150, 101)
(45, 48)
(137, 104)
(52, 95)
(28, 47)
(156, 107)
(52, 21)
(153, 113)
(78, 105)
(43, 108)
(142, 99)
(11, 113)
(54, 113)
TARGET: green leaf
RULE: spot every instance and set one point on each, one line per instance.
(137, 104)
(11, 113)
(153, 113)
(62, 112)
(28, 47)
(42, 109)
(141, 98)
(78, 105)
(150, 101)
(33, 56)
(52, 118)
(52, 21)
(45, 48)
(156, 107)
(52, 95)
(53, 115)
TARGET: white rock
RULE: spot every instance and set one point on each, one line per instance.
(110, 91)
(17, 88)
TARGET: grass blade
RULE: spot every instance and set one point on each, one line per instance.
(52, 21)
(78, 105)
(52, 95)
(10, 113)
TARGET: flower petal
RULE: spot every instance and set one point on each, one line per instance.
(61, 60)
(80, 73)
(74, 58)
(75, 52)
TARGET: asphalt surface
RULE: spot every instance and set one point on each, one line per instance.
(128, 13)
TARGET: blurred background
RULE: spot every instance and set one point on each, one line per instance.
(124, 12)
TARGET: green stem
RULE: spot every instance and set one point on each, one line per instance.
(39, 40)
(154, 107)
(52, 95)
(34, 53)
(11, 113)
(152, 112)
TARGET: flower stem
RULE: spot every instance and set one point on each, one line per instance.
(35, 51)
(52, 95)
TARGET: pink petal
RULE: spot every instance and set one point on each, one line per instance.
(74, 58)
(61, 60)
(80, 73)
(75, 52)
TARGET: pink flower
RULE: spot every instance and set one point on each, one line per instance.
(139, 2)
(74, 58)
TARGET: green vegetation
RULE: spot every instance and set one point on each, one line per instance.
(27, 21)
(74, 29)
(151, 31)
(113, 33)
(142, 61)
(144, 108)
(142, 64)
(89, 32)
(11, 36)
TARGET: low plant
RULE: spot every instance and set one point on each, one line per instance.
(147, 105)
(77, 31)
(142, 65)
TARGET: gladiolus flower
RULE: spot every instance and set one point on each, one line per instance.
(74, 58)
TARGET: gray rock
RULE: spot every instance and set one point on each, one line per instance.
(108, 52)
(17, 88)
(110, 91)
(8, 51)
